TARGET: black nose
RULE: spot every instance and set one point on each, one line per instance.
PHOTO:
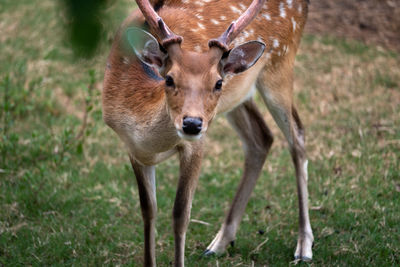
(192, 125)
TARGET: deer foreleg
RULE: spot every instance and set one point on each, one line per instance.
(257, 140)
(190, 163)
(145, 177)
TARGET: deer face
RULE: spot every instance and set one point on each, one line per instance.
(193, 81)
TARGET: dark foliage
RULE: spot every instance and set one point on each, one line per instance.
(85, 24)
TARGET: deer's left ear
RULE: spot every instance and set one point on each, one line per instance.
(242, 57)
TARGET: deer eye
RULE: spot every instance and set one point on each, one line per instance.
(218, 85)
(169, 81)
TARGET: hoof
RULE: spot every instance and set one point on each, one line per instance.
(208, 253)
(232, 243)
(305, 259)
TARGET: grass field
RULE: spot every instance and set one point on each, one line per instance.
(69, 197)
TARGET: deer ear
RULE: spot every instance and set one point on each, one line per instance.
(242, 57)
(146, 47)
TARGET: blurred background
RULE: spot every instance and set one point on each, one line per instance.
(375, 22)
(68, 196)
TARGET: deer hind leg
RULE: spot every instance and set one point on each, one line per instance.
(276, 90)
(257, 140)
(145, 177)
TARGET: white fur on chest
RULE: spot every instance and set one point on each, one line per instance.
(150, 142)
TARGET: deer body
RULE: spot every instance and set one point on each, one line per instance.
(161, 103)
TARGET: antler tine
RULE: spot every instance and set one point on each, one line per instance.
(237, 26)
(155, 22)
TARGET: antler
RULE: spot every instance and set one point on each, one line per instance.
(237, 26)
(155, 22)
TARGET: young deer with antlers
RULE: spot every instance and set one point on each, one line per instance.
(164, 84)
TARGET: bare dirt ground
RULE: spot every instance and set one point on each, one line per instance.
(371, 21)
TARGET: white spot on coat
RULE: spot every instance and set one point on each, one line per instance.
(243, 7)
(294, 24)
(200, 17)
(125, 60)
(285, 49)
(199, 3)
(300, 9)
(282, 11)
(266, 16)
(289, 3)
(216, 22)
(201, 26)
(222, 18)
(236, 10)
(275, 43)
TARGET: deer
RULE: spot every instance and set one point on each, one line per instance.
(173, 66)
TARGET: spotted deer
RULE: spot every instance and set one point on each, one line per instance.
(174, 65)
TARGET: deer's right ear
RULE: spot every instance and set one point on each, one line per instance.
(146, 47)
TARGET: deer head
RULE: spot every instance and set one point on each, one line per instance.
(193, 81)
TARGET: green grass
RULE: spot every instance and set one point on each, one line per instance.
(73, 201)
